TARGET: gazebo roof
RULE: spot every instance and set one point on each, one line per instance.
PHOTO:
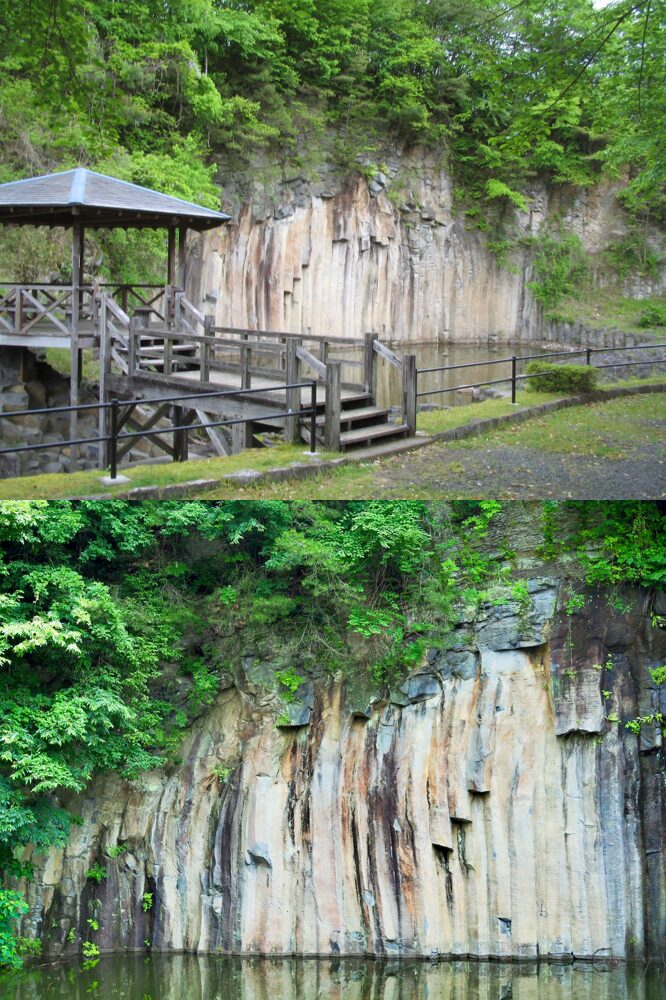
(97, 201)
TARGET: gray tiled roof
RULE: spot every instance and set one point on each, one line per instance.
(98, 201)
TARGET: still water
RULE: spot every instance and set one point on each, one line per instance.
(389, 387)
(190, 977)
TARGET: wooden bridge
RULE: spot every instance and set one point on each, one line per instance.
(150, 340)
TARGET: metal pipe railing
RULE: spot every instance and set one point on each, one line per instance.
(117, 419)
(514, 377)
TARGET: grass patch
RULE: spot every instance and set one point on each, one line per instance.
(436, 421)
(605, 430)
(599, 308)
(48, 487)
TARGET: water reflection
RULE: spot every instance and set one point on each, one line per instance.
(389, 388)
(190, 977)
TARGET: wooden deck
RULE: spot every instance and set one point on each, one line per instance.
(169, 348)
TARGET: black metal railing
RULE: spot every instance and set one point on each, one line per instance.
(514, 377)
(121, 410)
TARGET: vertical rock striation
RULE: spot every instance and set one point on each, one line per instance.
(485, 808)
(344, 260)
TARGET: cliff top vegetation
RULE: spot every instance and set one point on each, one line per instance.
(157, 92)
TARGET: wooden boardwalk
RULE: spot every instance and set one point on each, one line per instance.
(169, 348)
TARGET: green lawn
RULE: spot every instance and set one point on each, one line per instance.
(606, 430)
(80, 483)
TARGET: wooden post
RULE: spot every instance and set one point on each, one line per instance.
(180, 443)
(74, 379)
(104, 373)
(182, 254)
(132, 346)
(332, 407)
(241, 436)
(18, 310)
(370, 366)
(171, 255)
(409, 392)
(167, 356)
(293, 396)
(209, 331)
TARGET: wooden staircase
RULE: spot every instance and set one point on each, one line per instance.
(362, 424)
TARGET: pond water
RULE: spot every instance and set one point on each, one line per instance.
(389, 388)
(191, 977)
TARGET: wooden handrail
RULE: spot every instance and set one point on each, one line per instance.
(310, 360)
(388, 354)
(114, 308)
(315, 338)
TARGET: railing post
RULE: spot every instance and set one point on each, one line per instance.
(113, 443)
(333, 406)
(369, 365)
(293, 400)
(588, 356)
(18, 310)
(179, 436)
(104, 372)
(409, 374)
(132, 346)
(513, 378)
(313, 417)
(168, 355)
(209, 331)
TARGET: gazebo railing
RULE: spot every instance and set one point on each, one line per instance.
(148, 301)
(24, 307)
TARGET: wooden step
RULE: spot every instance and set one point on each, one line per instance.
(355, 400)
(385, 449)
(356, 438)
(362, 413)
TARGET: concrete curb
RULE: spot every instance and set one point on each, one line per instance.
(301, 470)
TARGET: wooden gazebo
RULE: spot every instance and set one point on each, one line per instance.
(67, 315)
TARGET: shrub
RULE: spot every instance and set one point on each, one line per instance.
(653, 316)
(560, 378)
(96, 873)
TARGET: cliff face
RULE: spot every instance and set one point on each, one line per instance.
(345, 259)
(485, 807)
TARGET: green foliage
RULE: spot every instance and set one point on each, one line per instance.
(12, 907)
(558, 266)
(658, 675)
(289, 682)
(116, 850)
(621, 542)
(549, 377)
(575, 603)
(653, 316)
(147, 902)
(92, 924)
(96, 873)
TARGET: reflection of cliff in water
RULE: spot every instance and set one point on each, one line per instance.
(189, 977)
(389, 387)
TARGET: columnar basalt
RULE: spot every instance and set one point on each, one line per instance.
(484, 807)
(352, 256)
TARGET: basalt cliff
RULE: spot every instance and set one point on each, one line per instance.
(490, 804)
(392, 254)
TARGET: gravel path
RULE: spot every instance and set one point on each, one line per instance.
(615, 450)
(521, 473)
